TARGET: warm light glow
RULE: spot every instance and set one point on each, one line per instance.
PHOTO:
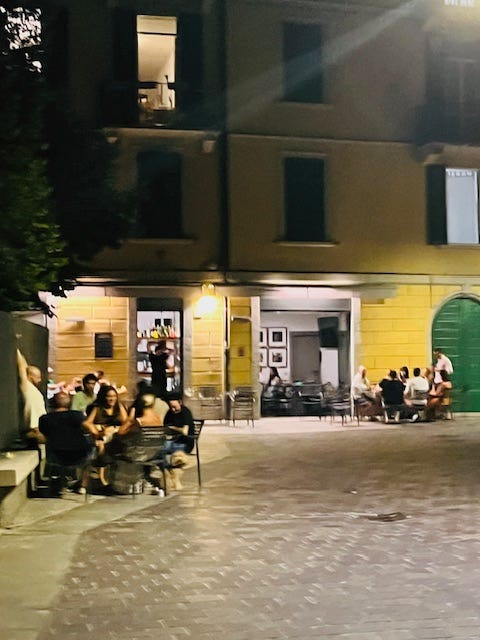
(208, 302)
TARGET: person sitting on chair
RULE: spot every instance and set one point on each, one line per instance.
(416, 386)
(440, 396)
(365, 399)
(392, 394)
(68, 444)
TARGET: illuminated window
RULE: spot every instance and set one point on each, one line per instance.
(453, 205)
(156, 37)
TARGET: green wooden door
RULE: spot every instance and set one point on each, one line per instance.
(456, 330)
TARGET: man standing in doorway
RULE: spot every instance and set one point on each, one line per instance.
(442, 363)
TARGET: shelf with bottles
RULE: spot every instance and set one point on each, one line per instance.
(147, 345)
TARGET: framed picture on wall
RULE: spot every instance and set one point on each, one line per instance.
(277, 357)
(262, 339)
(263, 357)
(277, 337)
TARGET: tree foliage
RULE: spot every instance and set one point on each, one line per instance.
(58, 203)
(31, 249)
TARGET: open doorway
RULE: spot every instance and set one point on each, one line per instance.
(302, 350)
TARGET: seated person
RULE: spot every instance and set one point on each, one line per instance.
(366, 400)
(126, 445)
(105, 417)
(416, 389)
(392, 394)
(440, 396)
(137, 407)
(404, 375)
(179, 423)
(86, 395)
(274, 377)
(68, 444)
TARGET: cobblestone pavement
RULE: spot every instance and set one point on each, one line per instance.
(280, 544)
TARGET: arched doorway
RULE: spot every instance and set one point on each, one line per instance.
(456, 330)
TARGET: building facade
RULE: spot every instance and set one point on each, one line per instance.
(306, 175)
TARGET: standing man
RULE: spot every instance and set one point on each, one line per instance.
(87, 395)
(161, 362)
(33, 400)
(443, 363)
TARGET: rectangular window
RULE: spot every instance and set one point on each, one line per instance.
(453, 205)
(304, 180)
(302, 63)
(157, 69)
(159, 195)
(156, 38)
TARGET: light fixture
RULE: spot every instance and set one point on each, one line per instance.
(208, 302)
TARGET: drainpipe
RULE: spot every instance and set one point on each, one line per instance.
(223, 170)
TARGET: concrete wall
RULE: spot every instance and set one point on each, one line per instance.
(375, 211)
(368, 94)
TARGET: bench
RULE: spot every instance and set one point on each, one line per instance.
(16, 466)
(16, 469)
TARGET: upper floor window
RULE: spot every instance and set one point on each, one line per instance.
(159, 195)
(157, 68)
(156, 37)
(302, 63)
(453, 205)
(304, 219)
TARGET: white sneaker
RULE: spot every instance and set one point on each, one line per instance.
(415, 417)
(156, 491)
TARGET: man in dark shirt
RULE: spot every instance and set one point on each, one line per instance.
(68, 444)
(160, 363)
(393, 397)
(392, 389)
(179, 421)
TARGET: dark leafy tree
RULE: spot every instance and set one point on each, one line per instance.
(58, 203)
(31, 248)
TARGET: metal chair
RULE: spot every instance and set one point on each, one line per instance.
(419, 402)
(62, 475)
(198, 426)
(242, 404)
(211, 403)
(140, 451)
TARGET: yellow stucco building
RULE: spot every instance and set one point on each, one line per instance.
(316, 162)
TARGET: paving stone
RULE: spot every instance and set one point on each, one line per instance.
(277, 545)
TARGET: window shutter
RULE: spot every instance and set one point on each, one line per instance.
(56, 47)
(304, 199)
(302, 62)
(436, 205)
(189, 64)
(160, 194)
(120, 101)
